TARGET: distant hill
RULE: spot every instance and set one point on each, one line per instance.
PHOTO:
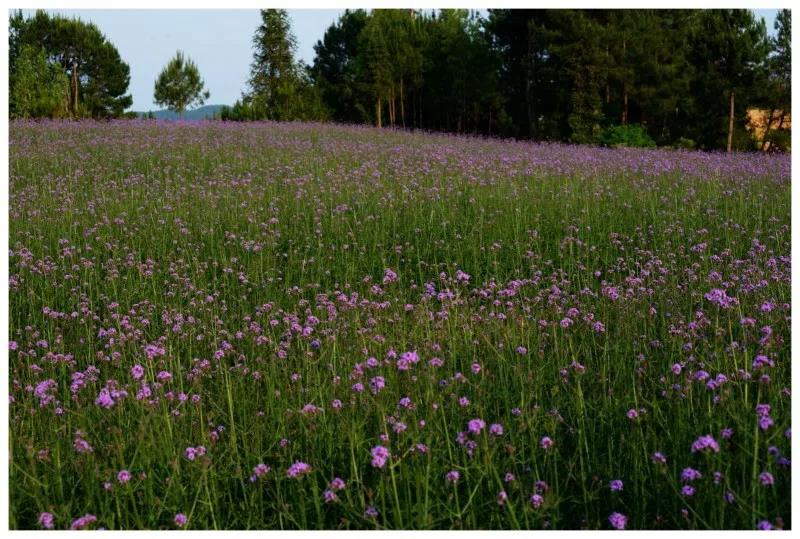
(201, 113)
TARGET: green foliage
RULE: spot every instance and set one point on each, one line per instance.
(781, 61)
(179, 85)
(780, 141)
(411, 69)
(98, 78)
(38, 88)
(744, 139)
(632, 136)
(337, 68)
(685, 143)
(563, 75)
(278, 87)
(728, 54)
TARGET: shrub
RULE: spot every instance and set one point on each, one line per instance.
(685, 143)
(630, 135)
(780, 141)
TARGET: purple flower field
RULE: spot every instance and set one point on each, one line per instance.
(304, 326)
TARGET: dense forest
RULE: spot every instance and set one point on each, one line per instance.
(683, 78)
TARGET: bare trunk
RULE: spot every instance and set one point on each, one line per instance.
(402, 104)
(624, 85)
(419, 121)
(625, 105)
(766, 130)
(391, 105)
(780, 126)
(730, 126)
(74, 104)
(608, 88)
(780, 123)
(394, 107)
(529, 101)
(378, 113)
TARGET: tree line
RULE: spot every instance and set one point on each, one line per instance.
(639, 77)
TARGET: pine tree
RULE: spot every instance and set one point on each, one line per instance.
(779, 84)
(273, 82)
(98, 78)
(179, 85)
(38, 88)
(729, 47)
(377, 70)
(337, 68)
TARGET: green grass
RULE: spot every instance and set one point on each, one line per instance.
(185, 235)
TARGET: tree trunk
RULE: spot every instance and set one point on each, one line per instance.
(391, 105)
(730, 126)
(608, 89)
(624, 85)
(625, 105)
(378, 113)
(74, 104)
(419, 119)
(780, 122)
(766, 130)
(402, 104)
(780, 126)
(530, 69)
(414, 109)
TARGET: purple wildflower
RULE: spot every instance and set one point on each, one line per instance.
(82, 522)
(371, 512)
(618, 521)
(452, 476)
(104, 399)
(705, 442)
(124, 476)
(338, 483)
(298, 469)
(46, 520)
(380, 455)
(690, 474)
(475, 426)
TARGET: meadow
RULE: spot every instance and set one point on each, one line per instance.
(303, 326)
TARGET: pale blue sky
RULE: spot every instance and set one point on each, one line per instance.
(219, 42)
